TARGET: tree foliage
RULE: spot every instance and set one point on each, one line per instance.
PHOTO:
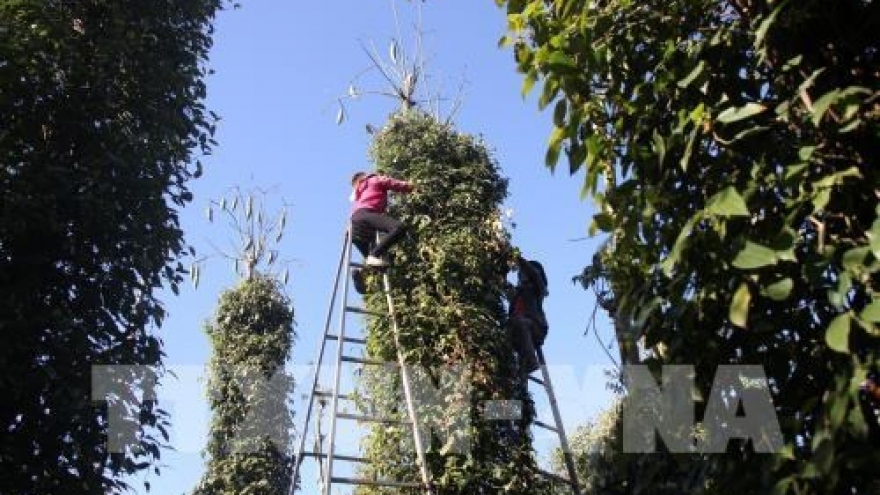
(728, 145)
(102, 112)
(251, 335)
(604, 468)
(447, 279)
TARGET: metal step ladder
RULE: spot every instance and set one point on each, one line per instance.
(558, 429)
(331, 396)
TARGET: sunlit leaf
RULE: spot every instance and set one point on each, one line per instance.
(779, 291)
(727, 203)
(693, 75)
(753, 256)
(871, 312)
(739, 305)
(837, 334)
(735, 114)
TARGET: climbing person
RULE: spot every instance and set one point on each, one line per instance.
(370, 197)
(527, 323)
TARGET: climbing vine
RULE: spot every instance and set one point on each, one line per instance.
(448, 278)
(251, 335)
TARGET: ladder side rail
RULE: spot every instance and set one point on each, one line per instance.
(563, 440)
(410, 403)
(316, 370)
(337, 375)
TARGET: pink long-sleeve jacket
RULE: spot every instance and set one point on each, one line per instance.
(371, 192)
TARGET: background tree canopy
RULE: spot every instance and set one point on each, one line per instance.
(102, 113)
(728, 146)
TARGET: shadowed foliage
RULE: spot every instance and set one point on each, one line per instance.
(102, 117)
(728, 146)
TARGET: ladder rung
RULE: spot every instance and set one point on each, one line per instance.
(545, 426)
(365, 482)
(355, 264)
(350, 340)
(554, 477)
(321, 393)
(376, 362)
(372, 419)
(355, 309)
(337, 457)
(536, 380)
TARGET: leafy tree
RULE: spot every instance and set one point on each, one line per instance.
(447, 280)
(252, 335)
(727, 145)
(604, 468)
(102, 112)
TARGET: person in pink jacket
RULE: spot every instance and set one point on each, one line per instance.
(370, 196)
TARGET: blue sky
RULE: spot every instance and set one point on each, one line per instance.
(280, 66)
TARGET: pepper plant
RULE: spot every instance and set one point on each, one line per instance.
(448, 279)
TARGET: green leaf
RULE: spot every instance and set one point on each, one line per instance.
(548, 93)
(734, 114)
(806, 153)
(761, 32)
(689, 150)
(659, 148)
(837, 295)
(830, 98)
(727, 203)
(559, 112)
(795, 171)
(739, 305)
(779, 291)
(601, 221)
(695, 73)
(854, 259)
(782, 486)
(837, 334)
(529, 82)
(554, 147)
(560, 60)
(821, 198)
(871, 312)
(754, 256)
(675, 254)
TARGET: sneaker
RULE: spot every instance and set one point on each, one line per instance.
(360, 282)
(376, 261)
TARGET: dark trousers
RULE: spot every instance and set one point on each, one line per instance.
(365, 224)
(525, 335)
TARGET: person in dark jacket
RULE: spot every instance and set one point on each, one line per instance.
(527, 323)
(370, 197)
